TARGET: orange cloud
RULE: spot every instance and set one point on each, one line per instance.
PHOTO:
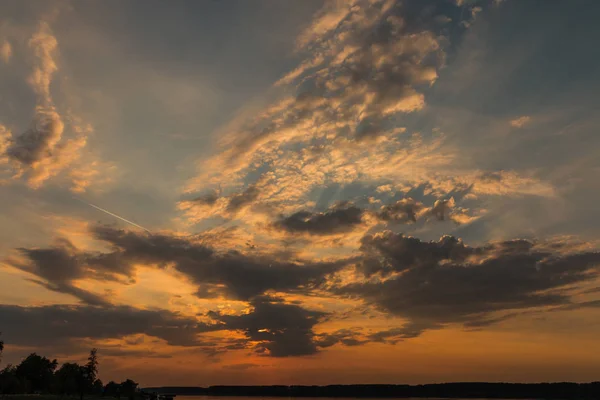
(54, 142)
(520, 122)
(5, 51)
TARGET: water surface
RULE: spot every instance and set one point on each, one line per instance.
(310, 398)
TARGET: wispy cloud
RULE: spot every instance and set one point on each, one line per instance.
(55, 140)
(520, 122)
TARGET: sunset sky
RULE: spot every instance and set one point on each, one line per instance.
(302, 192)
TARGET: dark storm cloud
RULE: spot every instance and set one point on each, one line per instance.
(59, 324)
(282, 330)
(340, 218)
(449, 282)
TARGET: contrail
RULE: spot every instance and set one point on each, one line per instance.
(114, 215)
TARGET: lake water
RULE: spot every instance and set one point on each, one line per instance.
(303, 398)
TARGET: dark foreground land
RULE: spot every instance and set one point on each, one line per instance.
(50, 397)
(444, 390)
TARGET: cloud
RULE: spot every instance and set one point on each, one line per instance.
(85, 296)
(61, 265)
(237, 201)
(5, 138)
(367, 64)
(337, 126)
(395, 335)
(35, 144)
(579, 306)
(272, 327)
(345, 217)
(592, 290)
(44, 46)
(520, 122)
(59, 324)
(241, 367)
(340, 218)
(44, 150)
(281, 330)
(367, 60)
(507, 183)
(427, 284)
(123, 352)
(325, 21)
(231, 273)
(40, 152)
(212, 203)
(206, 199)
(446, 281)
(346, 337)
(404, 210)
(5, 51)
(441, 208)
(341, 119)
(94, 173)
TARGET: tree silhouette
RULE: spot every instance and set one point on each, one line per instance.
(111, 389)
(9, 382)
(97, 387)
(88, 374)
(68, 379)
(91, 368)
(128, 388)
(37, 373)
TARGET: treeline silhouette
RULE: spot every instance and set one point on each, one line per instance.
(39, 375)
(563, 390)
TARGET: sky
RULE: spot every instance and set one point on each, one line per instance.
(302, 192)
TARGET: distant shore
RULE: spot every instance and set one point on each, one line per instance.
(471, 390)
